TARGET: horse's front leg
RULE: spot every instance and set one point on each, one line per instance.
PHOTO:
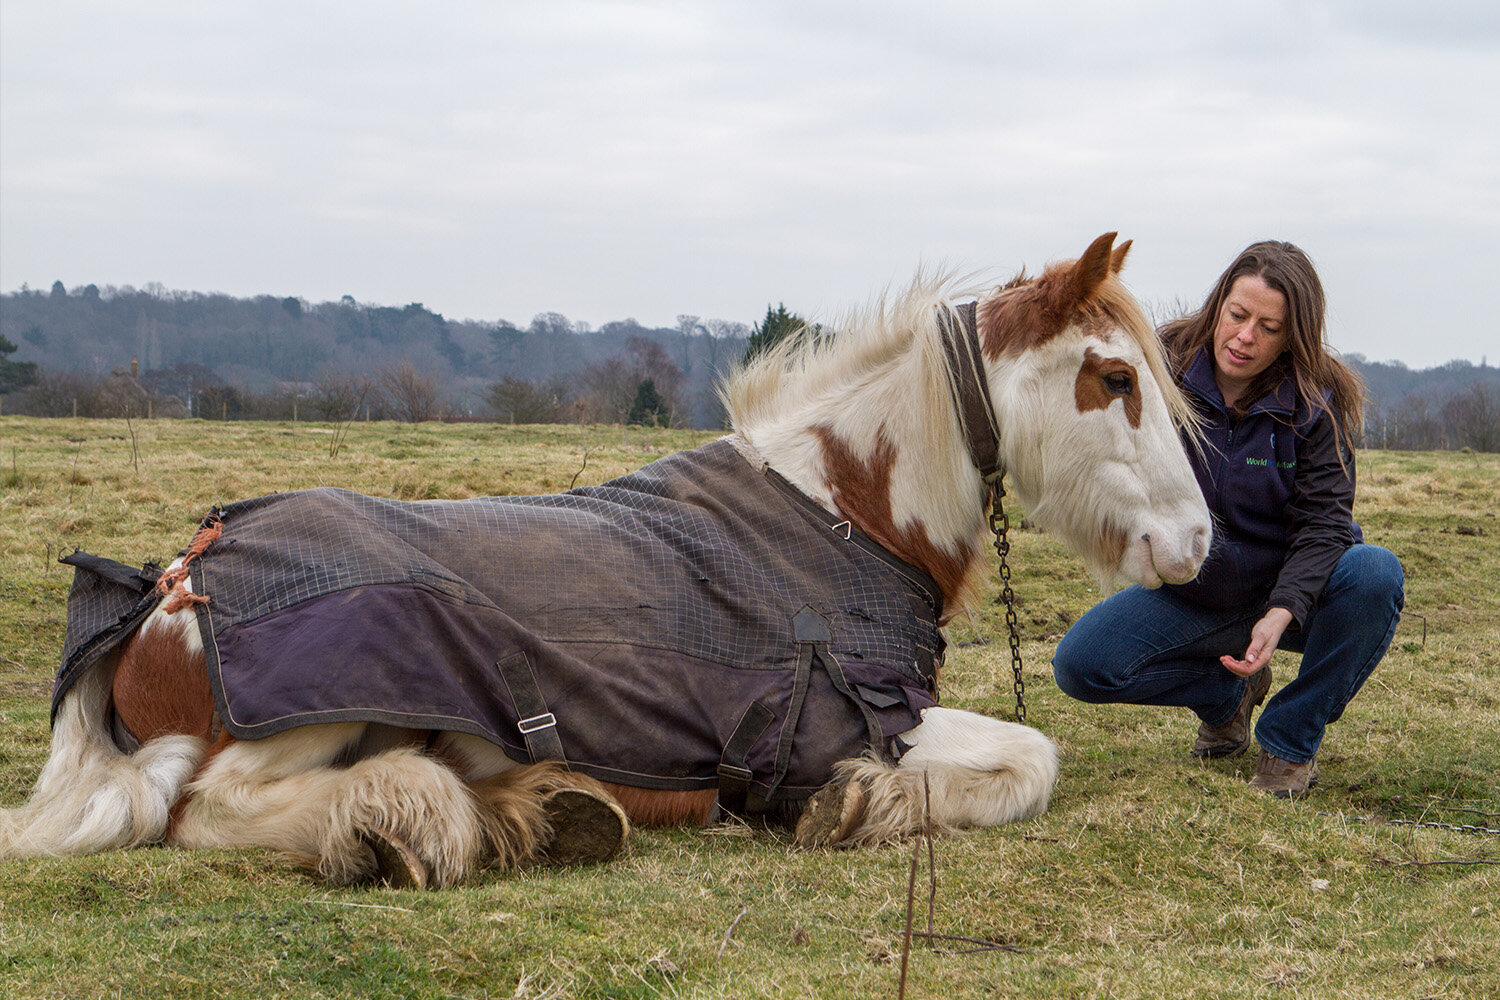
(963, 770)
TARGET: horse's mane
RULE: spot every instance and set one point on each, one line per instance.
(817, 360)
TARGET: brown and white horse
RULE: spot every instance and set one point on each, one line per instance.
(864, 423)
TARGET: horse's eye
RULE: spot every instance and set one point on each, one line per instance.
(1118, 383)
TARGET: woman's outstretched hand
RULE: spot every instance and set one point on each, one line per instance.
(1264, 638)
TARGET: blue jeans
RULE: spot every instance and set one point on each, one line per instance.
(1153, 647)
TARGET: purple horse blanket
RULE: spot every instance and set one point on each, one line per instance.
(697, 623)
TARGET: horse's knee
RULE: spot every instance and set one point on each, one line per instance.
(952, 737)
(976, 771)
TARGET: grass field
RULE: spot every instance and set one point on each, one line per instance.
(1151, 876)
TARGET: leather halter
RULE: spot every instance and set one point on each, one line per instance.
(976, 415)
(971, 389)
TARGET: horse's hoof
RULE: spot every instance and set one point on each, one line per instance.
(832, 814)
(396, 864)
(587, 828)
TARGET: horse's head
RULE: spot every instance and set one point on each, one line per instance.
(1089, 418)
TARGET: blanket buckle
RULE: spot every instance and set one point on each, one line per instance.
(545, 721)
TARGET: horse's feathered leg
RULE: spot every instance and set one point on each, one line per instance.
(283, 792)
(400, 814)
(971, 769)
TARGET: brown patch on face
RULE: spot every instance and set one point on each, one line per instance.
(1101, 381)
(1013, 323)
(862, 491)
(1024, 317)
(161, 688)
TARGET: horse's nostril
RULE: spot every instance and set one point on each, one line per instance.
(1200, 543)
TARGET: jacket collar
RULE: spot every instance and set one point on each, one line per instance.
(1199, 379)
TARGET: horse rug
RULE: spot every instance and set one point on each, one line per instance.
(698, 623)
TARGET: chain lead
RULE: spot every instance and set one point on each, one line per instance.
(1000, 525)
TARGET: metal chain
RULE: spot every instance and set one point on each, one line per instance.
(1000, 525)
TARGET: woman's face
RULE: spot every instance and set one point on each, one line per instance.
(1250, 334)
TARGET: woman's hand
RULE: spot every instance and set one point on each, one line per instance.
(1264, 638)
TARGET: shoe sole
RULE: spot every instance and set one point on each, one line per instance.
(1294, 794)
(1221, 752)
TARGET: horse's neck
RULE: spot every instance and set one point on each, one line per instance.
(884, 450)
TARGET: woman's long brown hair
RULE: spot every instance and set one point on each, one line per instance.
(1315, 370)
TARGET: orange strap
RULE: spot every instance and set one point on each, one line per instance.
(173, 582)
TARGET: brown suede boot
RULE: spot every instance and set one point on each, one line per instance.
(1233, 737)
(1282, 778)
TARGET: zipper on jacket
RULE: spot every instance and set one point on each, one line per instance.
(1230, 423)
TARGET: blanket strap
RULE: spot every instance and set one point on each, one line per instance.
(537, 725)
(139, 581)
(734, 770)
(813, 637)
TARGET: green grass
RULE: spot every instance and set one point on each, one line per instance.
(1151, 877)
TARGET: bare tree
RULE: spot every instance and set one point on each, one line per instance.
(411, 395)
(338, 396)
(1411, 425)
(609, 388)
(518, 401)
(1472, 418)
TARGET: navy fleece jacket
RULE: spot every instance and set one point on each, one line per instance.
(1282, 502)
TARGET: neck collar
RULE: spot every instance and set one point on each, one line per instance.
(971, 389)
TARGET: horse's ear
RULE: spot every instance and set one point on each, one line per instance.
(1088, 273)
(1117, 259)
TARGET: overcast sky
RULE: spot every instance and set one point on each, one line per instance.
(645, 159)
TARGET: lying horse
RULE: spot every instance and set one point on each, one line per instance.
(413, 691)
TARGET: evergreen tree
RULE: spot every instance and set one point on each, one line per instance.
(649, 408)
(776, 327)
(13, 374)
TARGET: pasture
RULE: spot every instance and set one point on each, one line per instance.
(1151, 876)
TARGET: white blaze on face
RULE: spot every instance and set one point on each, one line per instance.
(1109, 473)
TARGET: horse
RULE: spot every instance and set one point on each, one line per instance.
(867, 455)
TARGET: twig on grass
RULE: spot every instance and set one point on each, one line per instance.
(1443, 861)
(341, 425)
(1475, 812)
(911, 882)
(135, 451)
(730, 932)
(585, 465)
(73, 475)
(984, 944)
(359, 906)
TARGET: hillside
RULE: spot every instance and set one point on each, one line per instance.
(188, 344)
(190, 341)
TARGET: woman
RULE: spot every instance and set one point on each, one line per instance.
(1288, 568)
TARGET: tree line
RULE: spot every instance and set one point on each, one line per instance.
(125, 351)
(107, 352)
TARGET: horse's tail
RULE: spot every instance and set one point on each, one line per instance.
(91, 796)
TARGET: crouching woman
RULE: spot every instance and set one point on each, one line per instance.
(1288, 568)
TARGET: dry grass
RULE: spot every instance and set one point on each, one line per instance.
(1151, 876)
